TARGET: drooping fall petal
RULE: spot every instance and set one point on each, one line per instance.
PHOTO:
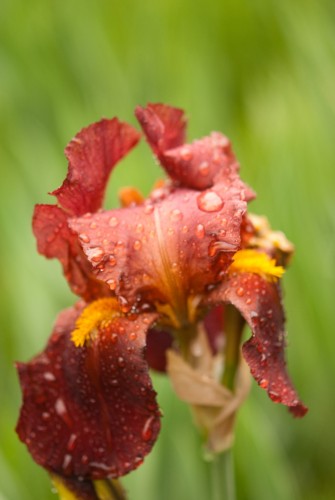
(92, 154)
(90, 411)
(259, 301)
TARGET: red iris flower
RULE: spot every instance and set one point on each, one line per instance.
(147, 273)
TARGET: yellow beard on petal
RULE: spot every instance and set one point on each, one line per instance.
(252, 261)
(95, 315)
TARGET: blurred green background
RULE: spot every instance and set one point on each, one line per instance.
(263, 72)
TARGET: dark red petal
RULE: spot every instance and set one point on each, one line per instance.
(90, 411)
(56, 240)
(92, 154)
(158, 342)
(196, 165)
(166, 249)
(214, 327)
(259, 301)
(163, 126)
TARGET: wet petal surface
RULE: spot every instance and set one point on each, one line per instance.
(169, 248)
(90, 411)
(56, 240)
(92, 154)
(259, 301)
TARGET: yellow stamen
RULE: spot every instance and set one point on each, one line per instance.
(94, 316)
(252, 261)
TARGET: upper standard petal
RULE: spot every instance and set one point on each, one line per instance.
(92, 154)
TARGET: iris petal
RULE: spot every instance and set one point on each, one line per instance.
(259, 302)
(90, 411)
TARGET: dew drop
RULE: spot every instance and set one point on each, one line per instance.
(66, 462)
(200, 231)
(112, 284)
(275, 396)
(60, 407)
(114, 338)
(121, 362)
(240, 291)
(176, 215)
(139, 228)
(113, 222)
(124, 304)
(264, 383)
(71, 442)
(209, 201)
(46, 415)
(133, 336)
(95, 254)
(112, 260)
(148, 209)
(84, 238)
(147, 429)
(248, 301)
(49, 376)
(137, 245)
(186, 153)
(204, 168)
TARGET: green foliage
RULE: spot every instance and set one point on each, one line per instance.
(263, 73)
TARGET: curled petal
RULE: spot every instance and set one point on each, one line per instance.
(56, 240)
(196, 165)
(193, 165)
(259, 302)
(163, 126)
(92, 154)
(90, 411)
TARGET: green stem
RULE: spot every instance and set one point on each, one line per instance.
(222, 467)
(233, 326)
(223, 481)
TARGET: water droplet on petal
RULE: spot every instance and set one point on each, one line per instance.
(124, 304)
(275, 396)
(139, 228)
(186, 153)
(240, 291)
(137, 245)
(112, 260)
(49, 376)
(148, 209)
(204, 168)
(147, 429)
(84, 238)
(133, 336)
(121, 362)
(200, 231)
(95, 254)
(264, 383)
(209, 201)
(66, 462)
(176, 215)
(112, 284)
(113, 222)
